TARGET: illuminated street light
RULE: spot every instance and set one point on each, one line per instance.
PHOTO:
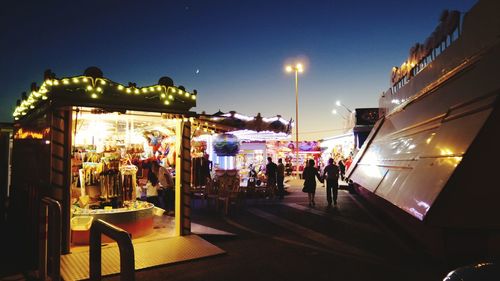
(338, 103)
(297, 68)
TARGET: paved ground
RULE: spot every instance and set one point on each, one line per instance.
(287, 240)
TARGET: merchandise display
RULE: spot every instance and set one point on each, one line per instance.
(112, 159)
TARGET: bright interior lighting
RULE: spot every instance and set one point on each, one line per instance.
(338, 103)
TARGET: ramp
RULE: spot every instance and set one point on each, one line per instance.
(75, 266)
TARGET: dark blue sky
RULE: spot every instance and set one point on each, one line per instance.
(239, 47)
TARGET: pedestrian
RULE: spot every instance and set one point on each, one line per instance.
(341, 168)
(348, 162)
(331, 173)
(206, 168)
(252, 173)
(310, 174)
(152, 188)
(252, 177)
(320, 169)
(280, 177)
(166, 194)
(271, 174)
(288, 168)
(154, 176)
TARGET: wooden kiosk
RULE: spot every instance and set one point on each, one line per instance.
(64, 122)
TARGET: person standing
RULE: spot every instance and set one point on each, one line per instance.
(348, 163)
(271, 174)
(252, 177)
(341, 168)
(156, 173)
(288, 168)
(310, 174)
(252, 173)
(206, 168)
(166, 193)
(280, 177)
(152, 188)
(331, 173)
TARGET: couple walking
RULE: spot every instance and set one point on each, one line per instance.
(330, 173)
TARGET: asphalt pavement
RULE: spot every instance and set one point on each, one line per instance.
(288, 240)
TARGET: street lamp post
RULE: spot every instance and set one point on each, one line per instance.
(335, 112)
(338, 103)
(346, 121)
(296, 68)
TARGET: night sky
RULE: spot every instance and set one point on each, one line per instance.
(232, 52)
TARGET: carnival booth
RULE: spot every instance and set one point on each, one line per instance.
(90, 143)
(236, 143)
(307, 150)
(338, 146)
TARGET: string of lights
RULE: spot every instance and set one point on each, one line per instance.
(95, 87)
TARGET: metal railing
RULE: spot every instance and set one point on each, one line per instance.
(127, 263)
(50, 240)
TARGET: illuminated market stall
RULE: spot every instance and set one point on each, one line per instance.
(360, 124)
(89, 143)
(250, 139)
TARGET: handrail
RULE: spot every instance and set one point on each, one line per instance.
(50, 240)
(127, 262)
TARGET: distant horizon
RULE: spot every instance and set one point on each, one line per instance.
(233, 54)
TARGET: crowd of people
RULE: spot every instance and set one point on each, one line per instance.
(274, 175)
(158, 186)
